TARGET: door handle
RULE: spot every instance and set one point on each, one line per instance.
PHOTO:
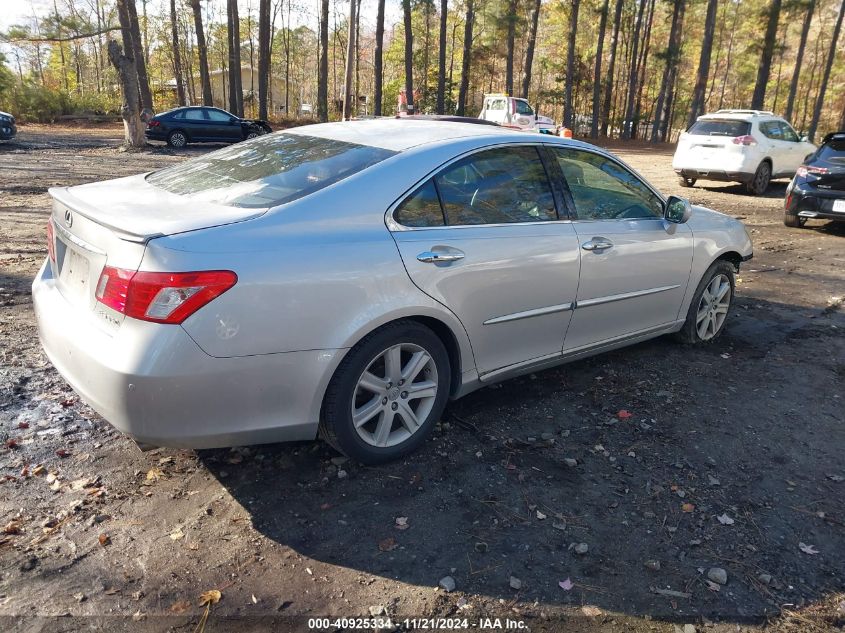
(597, 244)
(431, 257)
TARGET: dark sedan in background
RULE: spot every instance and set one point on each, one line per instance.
(202, 124)
(7, 126)
(818, 189)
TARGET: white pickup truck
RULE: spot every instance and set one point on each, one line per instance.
(516, 113)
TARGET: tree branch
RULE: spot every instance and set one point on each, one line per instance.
(63, 39)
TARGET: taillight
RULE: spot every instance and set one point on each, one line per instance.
(51, 240)
(805, 170)
(745, 140)
(161, 297)
(153, 123)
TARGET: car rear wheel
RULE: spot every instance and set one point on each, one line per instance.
(795, 221)
(710, 306)
(686, 182)
(760, 182)
(387, 394)
(177, 138)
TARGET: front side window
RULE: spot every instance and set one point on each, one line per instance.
(272, 170)
(218, 116)
(604, 190)
(788, 133)
(522, 107)
(497, 186)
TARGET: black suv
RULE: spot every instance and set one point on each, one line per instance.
(202, 124)
(818, 189)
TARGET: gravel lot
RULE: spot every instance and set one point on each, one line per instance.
(542, 498)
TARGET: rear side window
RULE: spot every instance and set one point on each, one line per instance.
(772, 130)
(268, 171)
(497, 186)
(720, 127)
(179, 115)
(195, 114)
(421, 208)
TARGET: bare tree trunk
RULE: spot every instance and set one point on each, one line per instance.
(594, 123)
(729, 57)
(350, 63)
(202, 49)
(511, 20)
(441, 60)
(759, 98)
(236, 93)
(465, 61)
(570, 64)
(133, 126)
(697, 106)
(642, 62)
(664, 97)
(817, 111)
(378, 61)
(409, 56)
(263, 56)
(529, 51)
(793, 86)
(138, 55)
(611, 65)
(629, 126)
(177, 60)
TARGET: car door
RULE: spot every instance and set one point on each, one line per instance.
(779, 149)
(483, 238)
(798, 149)
(195, 124)
(635, 266)
(222, 127)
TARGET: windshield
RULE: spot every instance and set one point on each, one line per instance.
(267, 171)
(720, 127)
(832, 151)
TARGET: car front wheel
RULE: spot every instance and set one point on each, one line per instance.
(710, 306)
(387, 394)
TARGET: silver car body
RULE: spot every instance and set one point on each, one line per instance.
(318, 274)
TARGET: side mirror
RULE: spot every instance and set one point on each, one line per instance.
(677, 210)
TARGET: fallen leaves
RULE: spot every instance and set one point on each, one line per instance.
(402, 523)
(724, 519)
(591, 611)
(566, 585)
(207, 598)
(388, 545)
(154, 474)
(688, 507)
(808, 549)
(104, 539)
(624, 414)
(180, 606)
(12, 527)
(177, 534)
(63, 452)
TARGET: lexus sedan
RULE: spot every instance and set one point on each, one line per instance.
(818, 189)
(348, 279)
(202, 124)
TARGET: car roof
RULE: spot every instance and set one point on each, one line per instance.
(401, 134)
(740, 115)
(834, 136)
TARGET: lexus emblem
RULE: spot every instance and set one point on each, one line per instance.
(68, 218)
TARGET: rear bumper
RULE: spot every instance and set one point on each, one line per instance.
(153, 135)
(814, 205)
(155, 384)
(717, 174)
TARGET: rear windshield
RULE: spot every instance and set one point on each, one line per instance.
(716, 127)
(267, 171)
(832, 151)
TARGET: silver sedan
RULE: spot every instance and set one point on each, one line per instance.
(348, 279)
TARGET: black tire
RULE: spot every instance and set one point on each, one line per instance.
(336, 426)
(253, 134)
(177, 139)
(760, 182)
(689, 332)
(686, 182)
(794, 221)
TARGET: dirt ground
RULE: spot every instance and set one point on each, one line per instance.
(732, 458)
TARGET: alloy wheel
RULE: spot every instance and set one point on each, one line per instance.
(394, 395)
(713, 307)
(177, 139)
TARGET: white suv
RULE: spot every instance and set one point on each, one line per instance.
(508, 112)
(747, 146)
